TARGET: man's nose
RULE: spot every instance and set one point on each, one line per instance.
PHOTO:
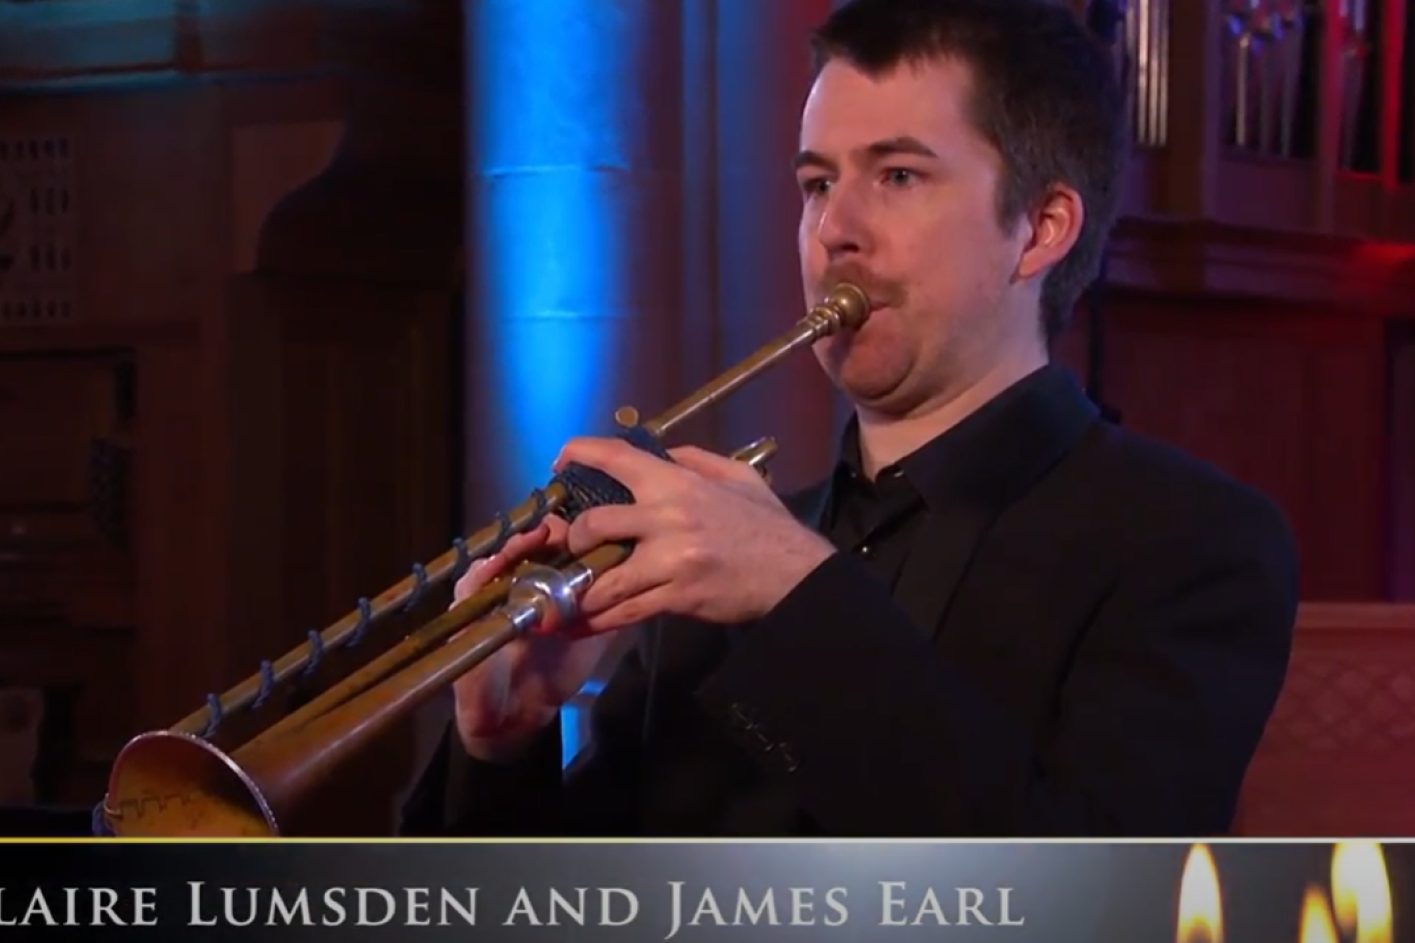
(842, 229)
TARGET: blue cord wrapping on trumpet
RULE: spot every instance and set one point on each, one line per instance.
(267, 684)
(366, 610)
(316, 640)
(213, 715)
(415, 597)
(588, 487)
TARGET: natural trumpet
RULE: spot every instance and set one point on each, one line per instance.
(176, 782)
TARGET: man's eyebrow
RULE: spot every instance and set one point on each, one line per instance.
(904, 144)
(812, 159)
(889, 147)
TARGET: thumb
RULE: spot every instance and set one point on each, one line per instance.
(482, 571)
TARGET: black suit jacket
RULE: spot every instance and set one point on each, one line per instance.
(1089, 644)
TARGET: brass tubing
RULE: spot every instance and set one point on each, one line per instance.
(175, 782)
(439, 571)
(428, 637)
(845, 307)
(301, 763)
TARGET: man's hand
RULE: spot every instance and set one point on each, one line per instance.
(713, 542)
(509, 698)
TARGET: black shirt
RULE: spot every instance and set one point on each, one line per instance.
(874, 519)
(878, 520)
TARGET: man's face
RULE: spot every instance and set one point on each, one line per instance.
(899, 196)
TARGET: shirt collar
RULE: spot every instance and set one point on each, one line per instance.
(950, 466)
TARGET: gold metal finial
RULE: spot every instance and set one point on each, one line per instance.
(758, 455)
(626, 416)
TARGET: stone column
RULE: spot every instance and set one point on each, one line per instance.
(763, 76)
(699, 316)
(574, 229)
(575, 232)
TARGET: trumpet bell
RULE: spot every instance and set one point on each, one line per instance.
(169, 783)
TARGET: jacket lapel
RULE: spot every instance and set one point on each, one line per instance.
(1011, 451)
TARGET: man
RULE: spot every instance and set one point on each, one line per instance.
(1000, 616)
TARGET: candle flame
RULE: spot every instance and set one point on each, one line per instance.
(1200, 901)
(1361, 892)
(1317, 923)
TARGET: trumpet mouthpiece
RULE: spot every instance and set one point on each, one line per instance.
(848, 303)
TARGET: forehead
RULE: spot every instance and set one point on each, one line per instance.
(848, 108)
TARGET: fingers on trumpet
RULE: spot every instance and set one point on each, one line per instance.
(548, 537)
(541, 540)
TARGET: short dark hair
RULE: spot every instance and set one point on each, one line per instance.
(1046, 95)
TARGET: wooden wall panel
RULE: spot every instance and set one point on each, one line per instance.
(1400, 430)
(1292, 401)
(1337, 758)
(342, 449)
(278, 421)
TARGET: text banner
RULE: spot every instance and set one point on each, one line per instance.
(786, 891)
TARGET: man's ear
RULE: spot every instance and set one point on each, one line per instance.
(1055, 227)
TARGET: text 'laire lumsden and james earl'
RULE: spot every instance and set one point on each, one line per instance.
(679, 906)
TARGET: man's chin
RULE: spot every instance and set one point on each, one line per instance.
(867, 385)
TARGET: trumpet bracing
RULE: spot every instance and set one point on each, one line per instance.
(176, 782)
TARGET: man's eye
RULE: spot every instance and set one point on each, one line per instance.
(900, 177)
(814, 186)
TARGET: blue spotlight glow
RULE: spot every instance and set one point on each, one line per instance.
(561, 179)
(547, 334)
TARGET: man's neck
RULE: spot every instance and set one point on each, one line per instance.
(885, 439)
